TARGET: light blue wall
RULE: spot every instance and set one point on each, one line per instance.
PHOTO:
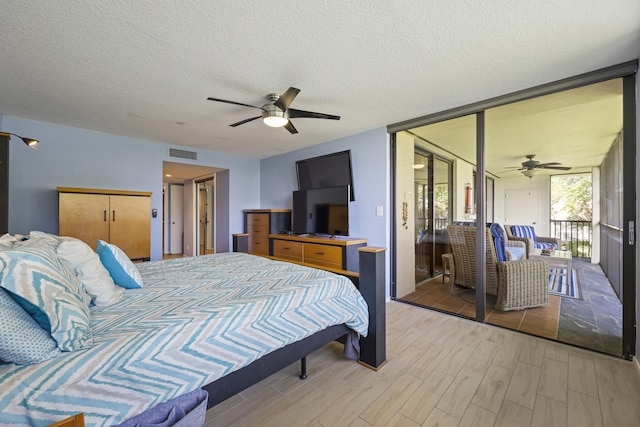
(370, 161)
(72, 157)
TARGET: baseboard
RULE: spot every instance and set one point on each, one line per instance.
(636, 362)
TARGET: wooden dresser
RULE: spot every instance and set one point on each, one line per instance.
(339, 252)
(259, 223)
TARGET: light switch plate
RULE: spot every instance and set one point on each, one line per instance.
(378, 210)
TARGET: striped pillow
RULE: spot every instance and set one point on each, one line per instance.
(523, 231)
(46, 289)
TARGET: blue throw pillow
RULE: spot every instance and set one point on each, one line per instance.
(22, 340)
(498, 240)
(123, 272)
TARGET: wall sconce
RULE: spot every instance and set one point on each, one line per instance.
(30, 142)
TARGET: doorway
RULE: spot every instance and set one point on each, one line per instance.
(214, 203)
(205, 239)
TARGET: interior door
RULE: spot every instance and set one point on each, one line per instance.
(521, 207)
(176, 224)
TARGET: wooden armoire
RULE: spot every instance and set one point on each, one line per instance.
(122, 218)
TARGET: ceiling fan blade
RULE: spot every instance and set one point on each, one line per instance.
(310, 115)
(244, 121)
(541, 165)
(287, 98)
(232, 102)
(291, 128)
(561, 168)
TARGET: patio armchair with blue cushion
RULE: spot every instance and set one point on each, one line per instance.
(527, 234)
(515, 249)
(516, 284)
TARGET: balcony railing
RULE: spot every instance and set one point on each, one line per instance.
(575, 236)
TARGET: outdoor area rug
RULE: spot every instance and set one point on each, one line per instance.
(558, 284)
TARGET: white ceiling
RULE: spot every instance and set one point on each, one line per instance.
(144, 68)
(574, 127)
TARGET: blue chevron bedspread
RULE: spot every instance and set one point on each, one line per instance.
(195, 320)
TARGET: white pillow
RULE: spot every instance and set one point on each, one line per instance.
(85, 263)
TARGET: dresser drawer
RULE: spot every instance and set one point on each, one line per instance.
(260, 246)
(258, 238)
(288, 250)
(257, 219)
(329, 256)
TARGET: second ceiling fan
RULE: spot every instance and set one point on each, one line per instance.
(529, 168)
(276, 113)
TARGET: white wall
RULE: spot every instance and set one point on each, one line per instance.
(541, 183)
(72, 157)
(405, 234)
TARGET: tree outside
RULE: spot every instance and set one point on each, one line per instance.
(572, 211)
(571, 198)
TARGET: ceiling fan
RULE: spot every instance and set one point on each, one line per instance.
(276, 113)
(530, 167)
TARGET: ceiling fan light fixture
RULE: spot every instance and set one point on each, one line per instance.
(418, 166)
(529, 173)
(275, 121)
(274, 117)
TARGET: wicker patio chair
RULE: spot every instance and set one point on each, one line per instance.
(528, 236)
(516, 284)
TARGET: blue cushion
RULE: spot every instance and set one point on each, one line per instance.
(123, 272)
(526, 231)
(22, 340)
(517, 252)
(46, 289)
(498, 239)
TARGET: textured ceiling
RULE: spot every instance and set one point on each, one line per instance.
(145, 68)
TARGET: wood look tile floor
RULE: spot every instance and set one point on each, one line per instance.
(445, 371)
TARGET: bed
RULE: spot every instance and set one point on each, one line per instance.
(196, 322)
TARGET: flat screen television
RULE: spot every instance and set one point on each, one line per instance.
(331, 170)
(321, 211)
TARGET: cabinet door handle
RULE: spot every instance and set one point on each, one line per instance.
(319, 253)
(105, 215)
(114, 216)
(286, 248)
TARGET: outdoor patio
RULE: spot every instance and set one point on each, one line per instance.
(593, 322)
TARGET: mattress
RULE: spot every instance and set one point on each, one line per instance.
(195, 320)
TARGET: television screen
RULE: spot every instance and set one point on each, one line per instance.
(332, 170)
(321, 211)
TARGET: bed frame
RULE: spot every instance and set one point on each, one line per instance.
(371, 283)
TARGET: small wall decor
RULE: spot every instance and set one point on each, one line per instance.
(405, 214)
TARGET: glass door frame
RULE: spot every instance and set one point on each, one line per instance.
(628, 72)
(429, 220)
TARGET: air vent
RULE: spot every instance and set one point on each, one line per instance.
(183, 154)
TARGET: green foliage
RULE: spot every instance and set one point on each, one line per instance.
(441, 201)
(571, 197)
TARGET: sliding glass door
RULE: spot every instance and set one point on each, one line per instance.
(497, 209)
(435, 169)
(433, 201)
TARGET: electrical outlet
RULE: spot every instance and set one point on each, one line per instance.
(378, 210)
